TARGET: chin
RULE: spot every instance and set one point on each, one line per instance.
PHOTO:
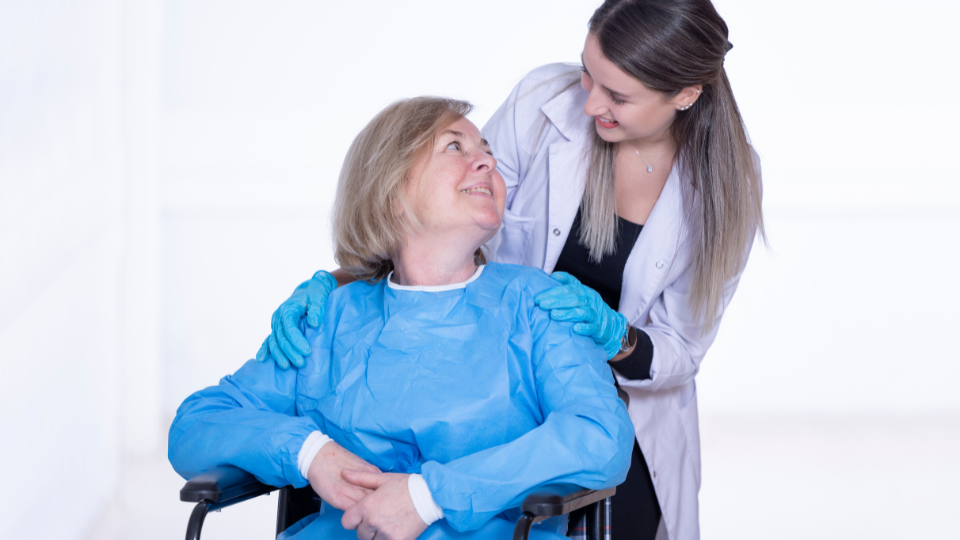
(491, 224)
(608, 136)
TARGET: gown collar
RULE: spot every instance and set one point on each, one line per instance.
(433, 288)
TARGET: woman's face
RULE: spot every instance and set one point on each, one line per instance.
(624, 109)
(456, 189)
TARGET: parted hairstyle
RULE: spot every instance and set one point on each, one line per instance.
(669, 45)
(371, 216)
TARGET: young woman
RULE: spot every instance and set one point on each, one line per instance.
(638, 184)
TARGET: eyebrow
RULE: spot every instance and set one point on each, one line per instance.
(611, 90)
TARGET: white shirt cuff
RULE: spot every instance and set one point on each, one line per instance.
(308, 451)
(423, 500)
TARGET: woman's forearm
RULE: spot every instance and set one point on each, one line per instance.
(246, 421)
(634, 363)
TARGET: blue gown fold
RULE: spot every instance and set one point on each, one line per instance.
(475, 388)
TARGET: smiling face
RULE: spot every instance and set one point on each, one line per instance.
(624, 109)
(455, 188)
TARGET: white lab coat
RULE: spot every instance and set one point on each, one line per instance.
(539, 137)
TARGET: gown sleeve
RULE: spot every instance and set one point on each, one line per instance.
(586, 437)
(248, 421)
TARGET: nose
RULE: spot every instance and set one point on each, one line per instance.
(483, 162)
(594, 105)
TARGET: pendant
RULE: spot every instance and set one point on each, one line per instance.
(649, 168)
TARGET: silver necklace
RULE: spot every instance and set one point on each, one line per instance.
(649, 166)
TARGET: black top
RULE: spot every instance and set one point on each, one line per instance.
(606, 278)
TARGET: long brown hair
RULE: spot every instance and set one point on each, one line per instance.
(669, 45)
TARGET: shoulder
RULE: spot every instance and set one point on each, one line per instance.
(537, 88)
(361, 299)
(354, 291)
(548, 93)
(544, 84)
(551, 76)
(522, 279)
(521, 285)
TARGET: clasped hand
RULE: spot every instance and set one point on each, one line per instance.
(376, 504)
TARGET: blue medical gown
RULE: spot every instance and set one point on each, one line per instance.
(475, 388)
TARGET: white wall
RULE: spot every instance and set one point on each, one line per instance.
(848, 312)
(60, 222)
(74, 205)
(167, 168)
(852, 310)
(261, 101)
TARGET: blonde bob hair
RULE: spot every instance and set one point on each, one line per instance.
(371, 216)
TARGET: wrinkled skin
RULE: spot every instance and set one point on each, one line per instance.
(387, 513)
(326, 476)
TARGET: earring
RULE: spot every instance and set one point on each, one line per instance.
(687, 106)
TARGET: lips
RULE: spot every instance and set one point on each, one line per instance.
(607, 124)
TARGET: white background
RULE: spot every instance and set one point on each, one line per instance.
(167, 168)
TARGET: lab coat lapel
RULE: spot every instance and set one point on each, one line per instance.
(655, 254)
(566, 190)
(567, 168)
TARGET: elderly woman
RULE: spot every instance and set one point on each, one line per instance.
(433, 367)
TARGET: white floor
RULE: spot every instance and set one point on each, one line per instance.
(874, 478)
(763, 478)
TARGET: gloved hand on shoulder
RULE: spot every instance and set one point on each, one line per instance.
(574, 301)
(287, 345)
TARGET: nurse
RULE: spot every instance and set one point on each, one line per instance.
(633, 179)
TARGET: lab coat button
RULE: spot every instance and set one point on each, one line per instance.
(659, 265)
(556, 232)
(654, 474)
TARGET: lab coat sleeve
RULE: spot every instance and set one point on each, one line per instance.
(679, 344)
(586, 437)
(500, 132)
(248, 421)
(515, 130)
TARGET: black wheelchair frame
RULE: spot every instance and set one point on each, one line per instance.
(221, 487)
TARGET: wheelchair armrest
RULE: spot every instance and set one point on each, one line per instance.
(218, 488)
(559, 499)
(223, 485)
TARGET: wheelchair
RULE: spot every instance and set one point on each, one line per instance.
(221, 487)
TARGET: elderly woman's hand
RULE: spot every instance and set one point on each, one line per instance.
(326, 478)
(387, 513)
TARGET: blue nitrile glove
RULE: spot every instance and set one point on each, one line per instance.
(286, 345)
(574, 301)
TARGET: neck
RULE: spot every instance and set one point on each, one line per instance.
(657, 143)
(431, 263)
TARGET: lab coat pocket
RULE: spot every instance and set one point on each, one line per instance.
(514, 238)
